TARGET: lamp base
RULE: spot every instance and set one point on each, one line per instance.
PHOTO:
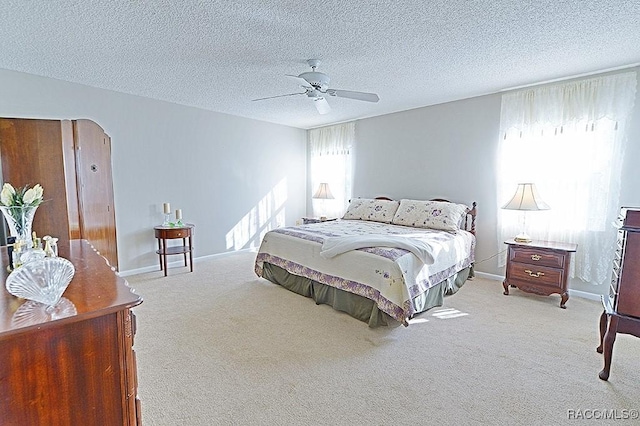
(522, 238)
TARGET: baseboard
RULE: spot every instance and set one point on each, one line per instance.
(572, 293)
(488, 276)
(177, 263)
(585, 295)
(180, 262)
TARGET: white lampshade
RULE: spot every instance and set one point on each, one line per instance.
(526, 198)
(323, 192)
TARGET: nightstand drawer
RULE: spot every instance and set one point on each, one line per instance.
(537, 275)
(176, 233)
(537, 256)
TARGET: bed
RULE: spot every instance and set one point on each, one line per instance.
(383, 262)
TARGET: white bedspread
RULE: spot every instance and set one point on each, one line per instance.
(390, 276)
(421, 247)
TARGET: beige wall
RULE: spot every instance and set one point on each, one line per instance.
(449, 151)
(217, 168)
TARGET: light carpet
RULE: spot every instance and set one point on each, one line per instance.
(220, 346)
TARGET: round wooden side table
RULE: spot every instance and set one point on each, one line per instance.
(164, 233)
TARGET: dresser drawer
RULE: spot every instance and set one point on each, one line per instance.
(536, 275)
(536, 256)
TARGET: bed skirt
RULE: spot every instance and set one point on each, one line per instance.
(358, 306)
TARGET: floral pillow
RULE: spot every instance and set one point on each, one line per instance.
(430, 214)
(374, 210)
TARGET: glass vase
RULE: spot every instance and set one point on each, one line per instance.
(20, 221)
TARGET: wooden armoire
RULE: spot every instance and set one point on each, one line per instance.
(71, 159)
(622, 305)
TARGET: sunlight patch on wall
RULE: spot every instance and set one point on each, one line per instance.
(268, 214)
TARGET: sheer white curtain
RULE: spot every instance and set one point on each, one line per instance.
(331, 162)
(568, 139)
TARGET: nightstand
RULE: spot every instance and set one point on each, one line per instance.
(540, 267)
(164, 233)
(308, 220)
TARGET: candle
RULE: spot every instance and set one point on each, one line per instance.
(178, 214)
(167, 208)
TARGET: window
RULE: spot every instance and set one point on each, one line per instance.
(331, 162)
(568, 139)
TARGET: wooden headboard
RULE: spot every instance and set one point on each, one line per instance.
(469, 219)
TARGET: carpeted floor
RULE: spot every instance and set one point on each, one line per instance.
(220, 346)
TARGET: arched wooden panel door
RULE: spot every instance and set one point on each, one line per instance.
(95, 188)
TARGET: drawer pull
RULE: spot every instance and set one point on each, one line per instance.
(536, 275)
(536, 257)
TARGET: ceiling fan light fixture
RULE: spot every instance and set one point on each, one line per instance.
(322, 105)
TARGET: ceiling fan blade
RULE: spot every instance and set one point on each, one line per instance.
(301, 81)
(278, 96)
(322, 105)
(360, 96)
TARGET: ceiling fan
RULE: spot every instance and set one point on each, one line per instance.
(316, 87)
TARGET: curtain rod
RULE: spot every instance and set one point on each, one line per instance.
(587, 74)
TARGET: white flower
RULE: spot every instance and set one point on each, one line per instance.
(24, 196)
(38, 189)
(6, 196)
(32, 196)
(29, 196)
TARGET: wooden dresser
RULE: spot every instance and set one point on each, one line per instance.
(78, 370)
(540, 267)
(622, 305)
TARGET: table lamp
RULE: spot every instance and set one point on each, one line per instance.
(323, 193)
(525, 199)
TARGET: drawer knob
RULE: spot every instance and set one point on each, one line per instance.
(536, 257)
(536, 275)
(179, 234)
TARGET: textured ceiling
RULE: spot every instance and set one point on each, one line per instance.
(219, 55)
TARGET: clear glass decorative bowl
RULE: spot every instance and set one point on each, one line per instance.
(32, 312)
(42, 280)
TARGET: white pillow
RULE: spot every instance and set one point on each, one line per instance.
(374, 210)
(430, 214)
